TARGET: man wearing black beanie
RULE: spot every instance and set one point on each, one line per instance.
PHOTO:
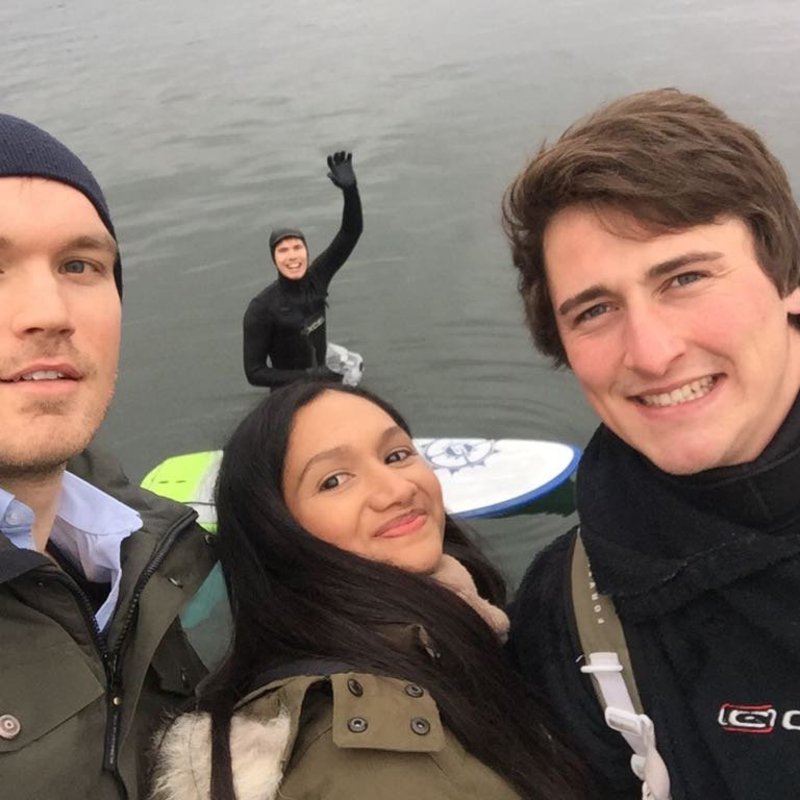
(285, 324)
(93, 572)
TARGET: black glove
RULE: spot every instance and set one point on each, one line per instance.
(325, 374)
(341, 170)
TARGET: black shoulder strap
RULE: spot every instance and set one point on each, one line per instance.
(305, 666)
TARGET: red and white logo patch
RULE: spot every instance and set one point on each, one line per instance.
(738, 718)
(748, 719)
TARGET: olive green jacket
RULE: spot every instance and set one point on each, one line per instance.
(77, 710)
(337, 737)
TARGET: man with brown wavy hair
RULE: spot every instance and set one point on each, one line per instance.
(658, 249)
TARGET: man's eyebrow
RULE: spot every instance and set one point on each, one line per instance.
(598, 290)
(102, 242)
(666, 267)
(586, 296)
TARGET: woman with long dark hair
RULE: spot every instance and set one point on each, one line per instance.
(367, 656)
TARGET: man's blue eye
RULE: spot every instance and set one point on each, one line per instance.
(591, 313)
(75, 267)
(687, 277)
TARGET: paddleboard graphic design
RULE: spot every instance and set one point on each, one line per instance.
(455, 454)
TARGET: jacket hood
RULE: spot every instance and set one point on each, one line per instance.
(183, 769)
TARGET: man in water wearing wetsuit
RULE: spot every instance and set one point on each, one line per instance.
(658, 246)
(285, 323)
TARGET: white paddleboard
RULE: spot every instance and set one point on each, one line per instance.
(479, 477)
(494, 477)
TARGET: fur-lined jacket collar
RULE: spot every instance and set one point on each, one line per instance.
(258, 755)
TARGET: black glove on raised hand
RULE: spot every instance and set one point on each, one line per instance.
(341, 170)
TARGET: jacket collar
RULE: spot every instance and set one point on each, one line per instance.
(89, 527)
(258, 755)
(763, 493)
(15, 562)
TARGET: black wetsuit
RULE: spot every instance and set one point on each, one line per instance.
(285, 323)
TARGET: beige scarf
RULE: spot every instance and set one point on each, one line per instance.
(455, 576)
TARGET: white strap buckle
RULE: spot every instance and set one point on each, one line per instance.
(602, 662)
(646, 763)
(627, 722)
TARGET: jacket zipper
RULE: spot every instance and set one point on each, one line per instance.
(111, 659)
(115, 660)
(87, 612)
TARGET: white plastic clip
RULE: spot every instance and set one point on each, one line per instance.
(602, 662)
(627, 722)
(646, 763)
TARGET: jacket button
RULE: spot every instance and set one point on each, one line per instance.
(420, 726)
(412, 690)
(9, 726)
(355, 687)
(357, 724)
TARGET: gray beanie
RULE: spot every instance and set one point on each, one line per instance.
(27, 151)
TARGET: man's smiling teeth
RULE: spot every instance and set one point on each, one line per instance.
(42, 375)
(690, 391)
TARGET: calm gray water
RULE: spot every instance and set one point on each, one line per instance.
(208, 122)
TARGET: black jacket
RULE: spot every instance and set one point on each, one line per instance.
(285, 323)
(704, 571)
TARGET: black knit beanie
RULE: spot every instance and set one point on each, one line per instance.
(279, 234)
(29, 152)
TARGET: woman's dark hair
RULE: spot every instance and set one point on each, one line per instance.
(296, 597)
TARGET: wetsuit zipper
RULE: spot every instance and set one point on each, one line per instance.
(312, 351)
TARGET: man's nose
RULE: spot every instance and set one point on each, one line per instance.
(652, 341)
(39, 304)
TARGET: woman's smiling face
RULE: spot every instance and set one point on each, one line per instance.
(353, 478)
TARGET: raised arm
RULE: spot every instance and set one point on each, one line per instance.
(341, 173)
